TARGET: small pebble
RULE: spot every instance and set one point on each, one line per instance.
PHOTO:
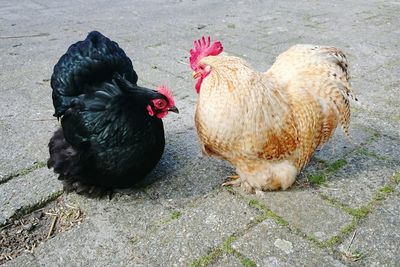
(28, 226)
(38, 215)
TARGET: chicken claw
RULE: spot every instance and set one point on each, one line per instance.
(234, 182)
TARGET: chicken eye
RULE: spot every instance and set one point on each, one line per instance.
(160, 104)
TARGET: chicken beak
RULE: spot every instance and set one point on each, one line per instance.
(195, 75)
(174, 109)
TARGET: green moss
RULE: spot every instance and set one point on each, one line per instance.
(383, 192)
(333, 241)
(246, 262)
(396, 177)
(349, 228)
(374, 134)
(231, 26)
(314, 240)
(176, 215)
(358, 213)
(336, 166)
(227, 245)
(229, 188)
(317, 178)
(255, 204)
(386, 189)
(352, 255)
(215, 253)
(261, 218)
(279, 220)
(366, 152)
(345, 231)
(207, 259)
(267, 213)
(321, 177)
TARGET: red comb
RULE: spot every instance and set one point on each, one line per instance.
(162, 89)
(204, 48)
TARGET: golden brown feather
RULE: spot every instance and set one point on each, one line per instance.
(268, 125)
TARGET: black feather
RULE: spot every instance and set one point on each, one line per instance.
(86, 64)
(107, 139)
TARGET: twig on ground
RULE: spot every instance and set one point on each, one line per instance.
(53, 224)
(352, 238)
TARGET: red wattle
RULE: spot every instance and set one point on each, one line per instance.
(198, 84)
(150, 110)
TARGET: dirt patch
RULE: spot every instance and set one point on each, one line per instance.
(28, 232)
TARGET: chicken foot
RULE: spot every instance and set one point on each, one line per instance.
(235, 181)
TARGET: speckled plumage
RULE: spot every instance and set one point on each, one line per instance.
(268, 125)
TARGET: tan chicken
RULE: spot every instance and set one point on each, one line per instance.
(268, 124)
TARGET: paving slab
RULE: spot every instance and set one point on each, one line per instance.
(157, 36)
(377, 240)
(26, 123)
(269, 244)
(195, 233)
(24, 192)
(306, 211)
(387, 147)
(357, 182)
(340, 145)
(381, 124)
(131, 229)
(105, 236)
(26, 259)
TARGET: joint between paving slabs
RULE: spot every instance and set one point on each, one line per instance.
(390, 118)
(281, 221)
(365, 152)
(359, 214)
(374, 136)
(23, 171)
(176, 214)
(328, 245)
(29, 209)
(226, 247)
(267, 214)
(320, 177)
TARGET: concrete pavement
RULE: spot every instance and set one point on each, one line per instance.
(343, 211)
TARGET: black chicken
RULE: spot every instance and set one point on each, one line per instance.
(112, 134)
